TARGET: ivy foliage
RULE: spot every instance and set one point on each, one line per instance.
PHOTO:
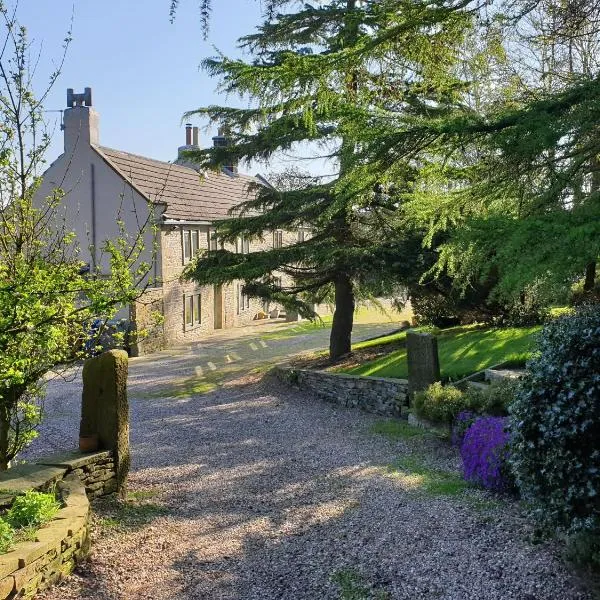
(556, 424)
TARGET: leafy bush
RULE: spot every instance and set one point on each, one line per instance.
(525, 312)
(579, 297)
(434, 309)
(556, 424)
(33, 509)
(442, 404)
(494, 400)
(583, 547)
(7, 536)
(484, 452)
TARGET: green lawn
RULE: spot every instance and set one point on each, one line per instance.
(462, 350)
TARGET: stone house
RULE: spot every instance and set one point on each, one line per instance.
(104, 186)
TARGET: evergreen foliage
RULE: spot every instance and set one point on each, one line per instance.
(509, 187)
(556, 424)
(329, 75)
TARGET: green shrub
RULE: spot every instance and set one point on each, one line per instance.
(7, 536)
(583, 548)
(495, 399)
(556, 424)
(524, 313)
(441, 404)
(434, 309)
(33, 509)
(577, 297)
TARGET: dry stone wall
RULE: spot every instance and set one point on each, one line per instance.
(379, 395)
(35, 565)
(96, 471)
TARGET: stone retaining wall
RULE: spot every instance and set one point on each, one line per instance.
(58, 546)
(35, 565)
(379, 395)
(96, 470)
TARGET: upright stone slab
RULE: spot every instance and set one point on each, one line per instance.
(105, 409)
(423, 361)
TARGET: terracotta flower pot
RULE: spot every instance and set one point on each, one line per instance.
(88, 443)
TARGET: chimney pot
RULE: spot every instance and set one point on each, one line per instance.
(195, 136)
(188, 134)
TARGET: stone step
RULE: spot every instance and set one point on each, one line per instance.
(479, 385)
(502, 374)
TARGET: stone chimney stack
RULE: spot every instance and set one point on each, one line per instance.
(191, 143)
(222, 140)
(81, 121)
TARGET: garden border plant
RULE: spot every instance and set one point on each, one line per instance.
(556, 431)
(29, 513)
(478, 423)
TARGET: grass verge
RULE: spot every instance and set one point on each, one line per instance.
(415, 474)
(397, 429)
(352, 586)
(462, 351)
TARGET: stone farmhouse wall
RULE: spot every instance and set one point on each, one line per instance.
(35, 565)
(379, 395)
(150, 334)
(174, 290)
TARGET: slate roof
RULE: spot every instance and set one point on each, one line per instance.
(187, 194)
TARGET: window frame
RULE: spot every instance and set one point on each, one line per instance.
(242, 245)
(212, 242)
(242, 300)
(191, 236)
(192, 310)
(278, 238)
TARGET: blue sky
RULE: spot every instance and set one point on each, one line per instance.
(143, 70)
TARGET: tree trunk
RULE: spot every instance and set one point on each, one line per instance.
(4, 437)
(340, 341)
(590, 277)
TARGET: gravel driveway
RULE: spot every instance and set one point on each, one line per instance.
(243, 489)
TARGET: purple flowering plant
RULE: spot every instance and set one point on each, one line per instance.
(484, 451)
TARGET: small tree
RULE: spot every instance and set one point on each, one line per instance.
(47, 298)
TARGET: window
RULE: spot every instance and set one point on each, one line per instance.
(212, 239)
(191, 243)
(301, 235)
(278, 239)
(243, 301)
(192, 305)
(277, 282)
(242, 245)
